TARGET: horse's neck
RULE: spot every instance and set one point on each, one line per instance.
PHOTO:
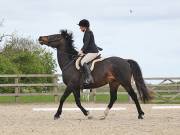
(63, 58)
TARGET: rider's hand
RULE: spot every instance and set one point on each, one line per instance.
(80, 53)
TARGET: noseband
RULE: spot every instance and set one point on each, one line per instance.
(74, 57)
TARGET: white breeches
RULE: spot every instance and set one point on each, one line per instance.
(88, 57)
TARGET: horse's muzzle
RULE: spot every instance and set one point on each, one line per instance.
(41, 40)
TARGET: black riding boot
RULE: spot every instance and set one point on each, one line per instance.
(88, 77)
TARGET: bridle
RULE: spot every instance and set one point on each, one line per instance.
(54, 40)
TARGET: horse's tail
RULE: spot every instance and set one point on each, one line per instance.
(144, 92)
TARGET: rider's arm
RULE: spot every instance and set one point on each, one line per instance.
(86, 41)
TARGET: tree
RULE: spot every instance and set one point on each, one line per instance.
(25, 56)
(28, 56)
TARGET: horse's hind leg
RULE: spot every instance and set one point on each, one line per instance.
(113, 97)
(133, 95)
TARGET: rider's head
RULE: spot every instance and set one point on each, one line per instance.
(84, 24)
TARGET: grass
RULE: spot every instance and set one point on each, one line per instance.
(7, 99)
(100, 98)
(27, 99)
(35, 99)
(49, 99)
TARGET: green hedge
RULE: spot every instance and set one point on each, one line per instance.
(24, 56)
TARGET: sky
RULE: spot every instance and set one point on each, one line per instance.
(146, 31)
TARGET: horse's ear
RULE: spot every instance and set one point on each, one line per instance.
(61, 32)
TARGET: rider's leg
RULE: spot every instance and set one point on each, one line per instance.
(87, 58)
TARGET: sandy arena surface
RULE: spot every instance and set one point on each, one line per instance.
(19, 119)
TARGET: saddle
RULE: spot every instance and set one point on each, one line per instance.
(90, 64)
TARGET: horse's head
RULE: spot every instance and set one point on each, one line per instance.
(52, 40)
(63, 41)
(56, 40)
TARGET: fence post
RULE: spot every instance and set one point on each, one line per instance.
(55, 88)
(17, 90)
(94, 94)
(177, 87)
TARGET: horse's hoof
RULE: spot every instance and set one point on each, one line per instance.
(89, 116)
(140, 117)
(56, 117)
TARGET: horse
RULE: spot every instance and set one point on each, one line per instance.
(114, 71)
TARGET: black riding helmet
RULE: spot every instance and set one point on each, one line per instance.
(84, 23)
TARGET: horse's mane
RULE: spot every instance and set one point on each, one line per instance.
(70, 48)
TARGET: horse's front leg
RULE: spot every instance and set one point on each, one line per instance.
(67, 92)
(76, 93)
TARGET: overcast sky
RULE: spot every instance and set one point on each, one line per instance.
(146, 31)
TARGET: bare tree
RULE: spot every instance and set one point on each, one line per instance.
(3, 35)
(1, 22)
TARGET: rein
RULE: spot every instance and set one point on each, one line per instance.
(68, 64)
(74, 57)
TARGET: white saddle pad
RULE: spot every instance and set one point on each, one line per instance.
(92, 65)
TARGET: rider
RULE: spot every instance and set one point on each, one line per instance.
(89, 49)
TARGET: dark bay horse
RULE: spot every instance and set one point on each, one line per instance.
(114, 71)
